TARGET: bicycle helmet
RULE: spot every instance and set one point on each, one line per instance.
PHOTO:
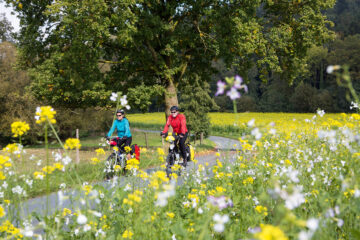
(174, 108)
(120, 111)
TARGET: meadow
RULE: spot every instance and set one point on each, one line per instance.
(283, 182)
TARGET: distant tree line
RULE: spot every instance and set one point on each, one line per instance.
(314, 88)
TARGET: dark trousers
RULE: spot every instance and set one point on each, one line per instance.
(182, 146)
(127, 141)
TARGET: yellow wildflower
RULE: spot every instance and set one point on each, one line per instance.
(19, 128)
(4, 161)
(193, 197)
(11, 148)
(269, 232)
(48, 169)
(94, 160)
(174, 176)
(72, 143)
(128, 234)
(220, 189)
(2, 211)
(99, 152)
(161, 151)
(132, 163)
(249, 180)
(58, 166)
(143, 175)
(262, 210)
(87, 189)
(45, 113)
(2, 176)
(127, 149)
(39, 175)
(9, 228)
(66, 212)
(170, 214)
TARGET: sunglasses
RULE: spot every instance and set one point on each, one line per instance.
(173, 112)
(119, 115)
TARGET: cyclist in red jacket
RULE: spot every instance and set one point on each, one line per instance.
(178, 123)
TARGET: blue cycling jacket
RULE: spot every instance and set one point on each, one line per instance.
(122, 128)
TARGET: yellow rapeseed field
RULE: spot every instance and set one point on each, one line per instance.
(283, 122)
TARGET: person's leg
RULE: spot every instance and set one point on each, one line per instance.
(128, 143)
(182, 148)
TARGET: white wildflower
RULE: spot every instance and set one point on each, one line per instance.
(219, 222)
(81, 219)
(113, 97)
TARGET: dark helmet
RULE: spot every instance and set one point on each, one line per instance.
(174, 108)
(120, 111)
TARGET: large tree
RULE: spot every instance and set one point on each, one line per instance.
(157, 43)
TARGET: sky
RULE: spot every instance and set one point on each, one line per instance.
(11, 18)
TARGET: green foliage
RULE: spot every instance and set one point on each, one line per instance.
(196, 103)
(159, 43)
(15, 103)
(346, 17)
(276, 96)
(246, 104)
(5, 29)
(141, 96)
(302, 99)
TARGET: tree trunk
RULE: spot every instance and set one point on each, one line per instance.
(170, 97)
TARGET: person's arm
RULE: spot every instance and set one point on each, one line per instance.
(183, 124)
(166, 128)
(127, 128)
(112, 129)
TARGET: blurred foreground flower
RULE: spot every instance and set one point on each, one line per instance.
(219, 222)
(113, 97)
(220, 202)
(270, 232)
(45, 113)
(19, 128)
(123, 100)
(221, 88)
(127, 234)
(235, 84)
(331, 68)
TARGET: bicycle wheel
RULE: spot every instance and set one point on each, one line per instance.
(169, 163)
(109, 166)
(122, 163)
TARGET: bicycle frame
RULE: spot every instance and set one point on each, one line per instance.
(118, 157)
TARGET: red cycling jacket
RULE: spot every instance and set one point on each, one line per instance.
(178, 124)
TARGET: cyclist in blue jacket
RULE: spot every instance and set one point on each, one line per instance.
(121, 124)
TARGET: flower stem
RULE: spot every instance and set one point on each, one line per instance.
(57, 137)
(47, 164)
(234, 105)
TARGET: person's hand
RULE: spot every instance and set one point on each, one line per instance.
(124, 137)
(107, 138)
(181, 135)
(162, 134)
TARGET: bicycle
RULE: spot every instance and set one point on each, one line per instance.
(118, 157)
(174, 159)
